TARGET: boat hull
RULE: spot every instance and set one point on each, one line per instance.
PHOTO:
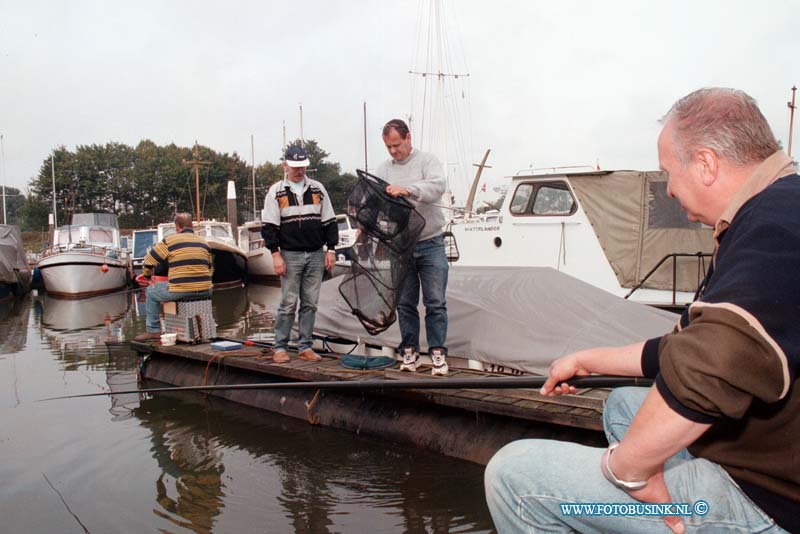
(75, 274)
(259, 266)
(230, 266)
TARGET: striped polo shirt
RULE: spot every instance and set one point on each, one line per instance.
(188, 258)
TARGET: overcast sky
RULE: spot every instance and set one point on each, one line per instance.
(552, 83)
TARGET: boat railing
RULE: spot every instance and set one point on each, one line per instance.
(87, 248)
(701, 270)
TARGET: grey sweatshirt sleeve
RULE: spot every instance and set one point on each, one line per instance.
(432, 185)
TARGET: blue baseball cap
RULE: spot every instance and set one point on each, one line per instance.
(296, 156)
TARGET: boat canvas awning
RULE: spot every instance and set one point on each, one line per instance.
(638, 224)
(519, 317)
(12, 254)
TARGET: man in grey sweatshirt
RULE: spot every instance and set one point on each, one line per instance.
(418, 176)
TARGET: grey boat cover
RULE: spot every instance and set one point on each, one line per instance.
(13, 263)
(518, 317)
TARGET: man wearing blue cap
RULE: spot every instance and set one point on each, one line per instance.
(298, 220)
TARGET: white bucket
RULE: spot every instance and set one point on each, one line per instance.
(169, 339)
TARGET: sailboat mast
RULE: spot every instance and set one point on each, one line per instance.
(53, 174)
(791, 119)
(366, 167)
(438, 98)
(3, 161)
(196, 164)
(302, 139)
(253, 168)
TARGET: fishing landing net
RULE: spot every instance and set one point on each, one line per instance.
(382, 255)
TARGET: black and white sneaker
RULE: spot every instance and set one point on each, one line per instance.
(438, 356)
(410, 359)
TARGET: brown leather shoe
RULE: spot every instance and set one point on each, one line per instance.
(280, 356)
(148, 336)
(309, 355)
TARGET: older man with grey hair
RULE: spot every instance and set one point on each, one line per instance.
(715, 440)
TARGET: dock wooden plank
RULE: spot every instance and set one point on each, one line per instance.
(580, 411)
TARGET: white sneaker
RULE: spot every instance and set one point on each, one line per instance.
(410, 360)
(438, 356)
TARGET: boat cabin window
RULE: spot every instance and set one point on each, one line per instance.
(69, 234)
(521, 199)
(254, 239)
(342, 224)
(543, 199)
(101, 235)
(143, 242)
(665, 211)
(214, 230)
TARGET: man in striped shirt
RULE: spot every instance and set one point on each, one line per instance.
(190, 267)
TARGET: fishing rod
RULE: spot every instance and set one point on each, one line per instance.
(597, 381)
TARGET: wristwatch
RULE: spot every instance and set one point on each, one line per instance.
(622, 484)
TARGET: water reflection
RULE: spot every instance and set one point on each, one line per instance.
(246, 312)
(189, 490)
(14, 315)
(78, 331)
(192, 464)
(293, 477)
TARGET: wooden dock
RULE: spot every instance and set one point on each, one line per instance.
(470, 424)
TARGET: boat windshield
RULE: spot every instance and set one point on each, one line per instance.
(68, 234)
(143, 241)
(101, 235)
(215, 230)
(96, 235)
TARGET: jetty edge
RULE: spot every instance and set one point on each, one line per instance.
(470, 424)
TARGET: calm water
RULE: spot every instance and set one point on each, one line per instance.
(180, 463)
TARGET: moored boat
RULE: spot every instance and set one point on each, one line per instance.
(616, 230)
(85, 258)
(259, 258)
(143, 241)
(15, 274)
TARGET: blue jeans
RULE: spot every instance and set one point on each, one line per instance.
(302, 281)
(158, 293)
(528, 480)
(429, 269)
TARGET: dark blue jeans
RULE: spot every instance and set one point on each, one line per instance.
(429, 270)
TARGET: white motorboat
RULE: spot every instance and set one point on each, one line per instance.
(616, 230)
(259, 259)
(85, 258)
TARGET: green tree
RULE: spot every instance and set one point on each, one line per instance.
(145, 185)
(33, 213)
(14, 200)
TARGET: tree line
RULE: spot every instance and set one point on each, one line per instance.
(146, 184)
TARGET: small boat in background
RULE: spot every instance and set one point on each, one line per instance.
(85, 258)
(143, 241)
(15, 274)
(348, 235)
(259, 258)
